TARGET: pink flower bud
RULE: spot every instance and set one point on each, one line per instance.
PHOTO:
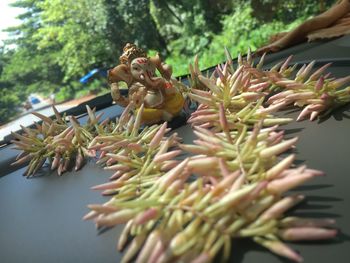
(314, 115)
(223, 167)
(118, 157)
(145, 216)
(125, 115)
(222, 117)
(301, 96)
(318, 72)
(158, 250)
(206, 125)
(220, 74)
(166, 156)
(304, 113)
(307, 70)
(278, 148)
(102, 154)
(273, 108)
(119, 217)
(147, 248)
(306, 222)
(300, 70)
(339, 82)
(319, 84)
(279, 95)
(158, 136)
(202, 100)
(118, 167)
(201, 93)
(203, 118)
(252, 96)
(280, 207)
(317, 107)
(173, 174)
(282, 185)
(116, 175)
(202, 258)
(79, 162)
(275, 171)
(103, 208)
(285, 64)
(107, 186)
(282, 249)
(225, 184)
(210, 85)
(238, 182)
(307, 233)
(123, 238)
(259, 86)
(203, 163)
(56, 161)
(203, 112)
(275, 137)
(202, 107)
(231, 199)
(135, 147)
(138, 119)
(169, 165)
(295, 86)
(236, 85)
(247, 201)
(195, 149)
(90, 215)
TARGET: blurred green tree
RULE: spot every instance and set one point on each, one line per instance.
(8, 99)
(30, 68)
(59, 41)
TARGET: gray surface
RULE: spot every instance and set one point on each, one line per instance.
(40, 218)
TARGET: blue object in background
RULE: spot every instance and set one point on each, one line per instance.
(85, 79)
(34, 100)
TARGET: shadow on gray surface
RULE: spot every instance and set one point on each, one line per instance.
(307, 205)
(298, 162)
(324, 198)
(339, 114)
(310, 214)
(103, 229)
(292, 131)
(343, 236)
(43, 171)
(312, 187)
(292, 110)
(240, 247)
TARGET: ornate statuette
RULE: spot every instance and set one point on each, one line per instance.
(159, 94)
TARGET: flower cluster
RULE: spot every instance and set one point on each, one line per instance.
(61, 141)
(186, 202)
(231, 183)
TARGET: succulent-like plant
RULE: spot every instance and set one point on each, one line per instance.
(57, 142)
(233, 184)
(186, 202)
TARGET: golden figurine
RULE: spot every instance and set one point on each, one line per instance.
(161, 98)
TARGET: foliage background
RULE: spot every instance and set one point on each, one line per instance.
(59, 41)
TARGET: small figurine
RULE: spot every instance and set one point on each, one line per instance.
(161, 98)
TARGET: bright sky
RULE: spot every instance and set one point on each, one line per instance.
(8, 16)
